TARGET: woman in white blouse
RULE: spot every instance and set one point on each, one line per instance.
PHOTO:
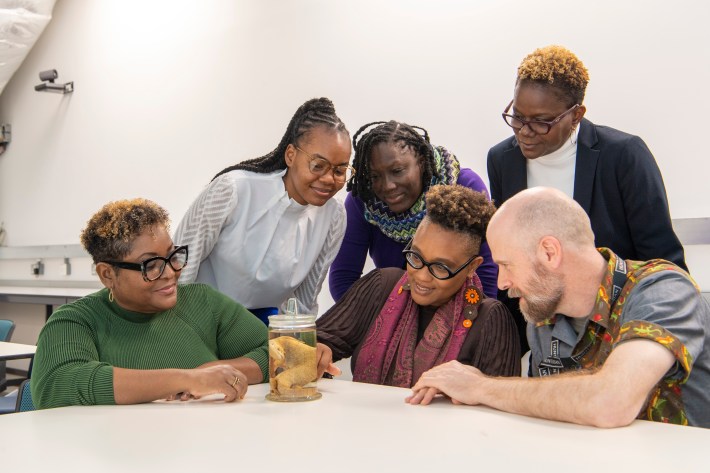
(266, 229)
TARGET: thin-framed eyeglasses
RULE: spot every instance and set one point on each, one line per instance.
(539, 127)
(153, 268)
(321, 166)
(438, 270)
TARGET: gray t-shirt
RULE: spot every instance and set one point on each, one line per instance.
(668, 299)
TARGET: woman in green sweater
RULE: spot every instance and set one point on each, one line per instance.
(143, 337)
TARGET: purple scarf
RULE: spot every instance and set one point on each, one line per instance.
(390, 354)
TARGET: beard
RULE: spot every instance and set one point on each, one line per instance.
(543, 296)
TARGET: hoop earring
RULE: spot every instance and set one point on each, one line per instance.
(110, 295)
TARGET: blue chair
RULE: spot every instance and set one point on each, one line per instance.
(24, 398)
(18, 401)
(6, 329)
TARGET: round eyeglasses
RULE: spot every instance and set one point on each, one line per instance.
(321, 166)
(438, 270)
(154, 267)
(539, 127)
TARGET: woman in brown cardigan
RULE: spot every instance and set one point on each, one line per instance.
(396, 324)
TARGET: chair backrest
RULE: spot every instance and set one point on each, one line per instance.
(6, 329)
(24, 398)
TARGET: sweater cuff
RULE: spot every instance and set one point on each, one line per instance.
(261, 358)
(102, 385)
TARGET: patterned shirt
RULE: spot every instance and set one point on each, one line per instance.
(656, 301)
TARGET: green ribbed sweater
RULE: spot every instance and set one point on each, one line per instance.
(84, 340)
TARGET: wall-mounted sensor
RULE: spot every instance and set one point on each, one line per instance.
(5, 138)
(65, 268)
(37, 268)
(48, 84)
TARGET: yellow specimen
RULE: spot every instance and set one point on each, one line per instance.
(296, 359)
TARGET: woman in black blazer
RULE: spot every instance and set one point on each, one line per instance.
(611, 174)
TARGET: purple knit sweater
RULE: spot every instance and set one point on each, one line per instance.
(362, 237)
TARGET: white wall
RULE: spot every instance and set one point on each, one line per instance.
(170, 92)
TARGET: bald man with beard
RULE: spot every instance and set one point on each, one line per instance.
(611, 340)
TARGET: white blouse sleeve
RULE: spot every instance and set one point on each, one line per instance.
(203, 222)
(307, 292)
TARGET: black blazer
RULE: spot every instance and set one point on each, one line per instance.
(617, 182)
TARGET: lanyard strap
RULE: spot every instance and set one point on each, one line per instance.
(618, 280)
(554, 364)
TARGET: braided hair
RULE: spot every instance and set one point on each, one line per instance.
(406, 136)
(313, 113)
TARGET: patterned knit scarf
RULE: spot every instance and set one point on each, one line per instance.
(390, 354)
(401, 227)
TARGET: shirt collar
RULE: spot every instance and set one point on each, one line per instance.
(602, 310)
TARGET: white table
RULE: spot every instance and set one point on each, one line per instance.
(15, 351)
(49, 296)
(353, 428)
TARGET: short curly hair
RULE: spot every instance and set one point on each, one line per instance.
(558, 67)
(110, 232)
(460, 209)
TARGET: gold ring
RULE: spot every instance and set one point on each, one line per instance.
(236, 381)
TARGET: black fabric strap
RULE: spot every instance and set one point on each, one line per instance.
(618, 281)
(554, 364)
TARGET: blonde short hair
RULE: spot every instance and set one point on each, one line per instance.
(110, 232)
(558, 67)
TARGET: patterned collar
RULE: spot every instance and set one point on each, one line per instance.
(600, 318)
(401, 227)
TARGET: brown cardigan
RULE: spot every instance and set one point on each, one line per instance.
(492, 344)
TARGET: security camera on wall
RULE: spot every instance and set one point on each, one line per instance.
(48, 84)
(49, 75)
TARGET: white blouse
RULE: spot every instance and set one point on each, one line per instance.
(248, 239)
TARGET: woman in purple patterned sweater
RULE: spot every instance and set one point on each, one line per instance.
(395, 165)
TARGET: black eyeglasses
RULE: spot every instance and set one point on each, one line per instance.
(321, 166)
(438, 270)
(539, 127)
(153, 268)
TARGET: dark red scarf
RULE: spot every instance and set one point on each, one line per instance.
(390, 354)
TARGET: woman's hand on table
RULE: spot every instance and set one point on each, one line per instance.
(324, 359)
(221, 378)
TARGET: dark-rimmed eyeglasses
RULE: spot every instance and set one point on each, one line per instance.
(153, 268)
(438, 270)
(539, 127)
(321, 166)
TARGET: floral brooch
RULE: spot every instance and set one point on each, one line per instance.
(473, 298)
